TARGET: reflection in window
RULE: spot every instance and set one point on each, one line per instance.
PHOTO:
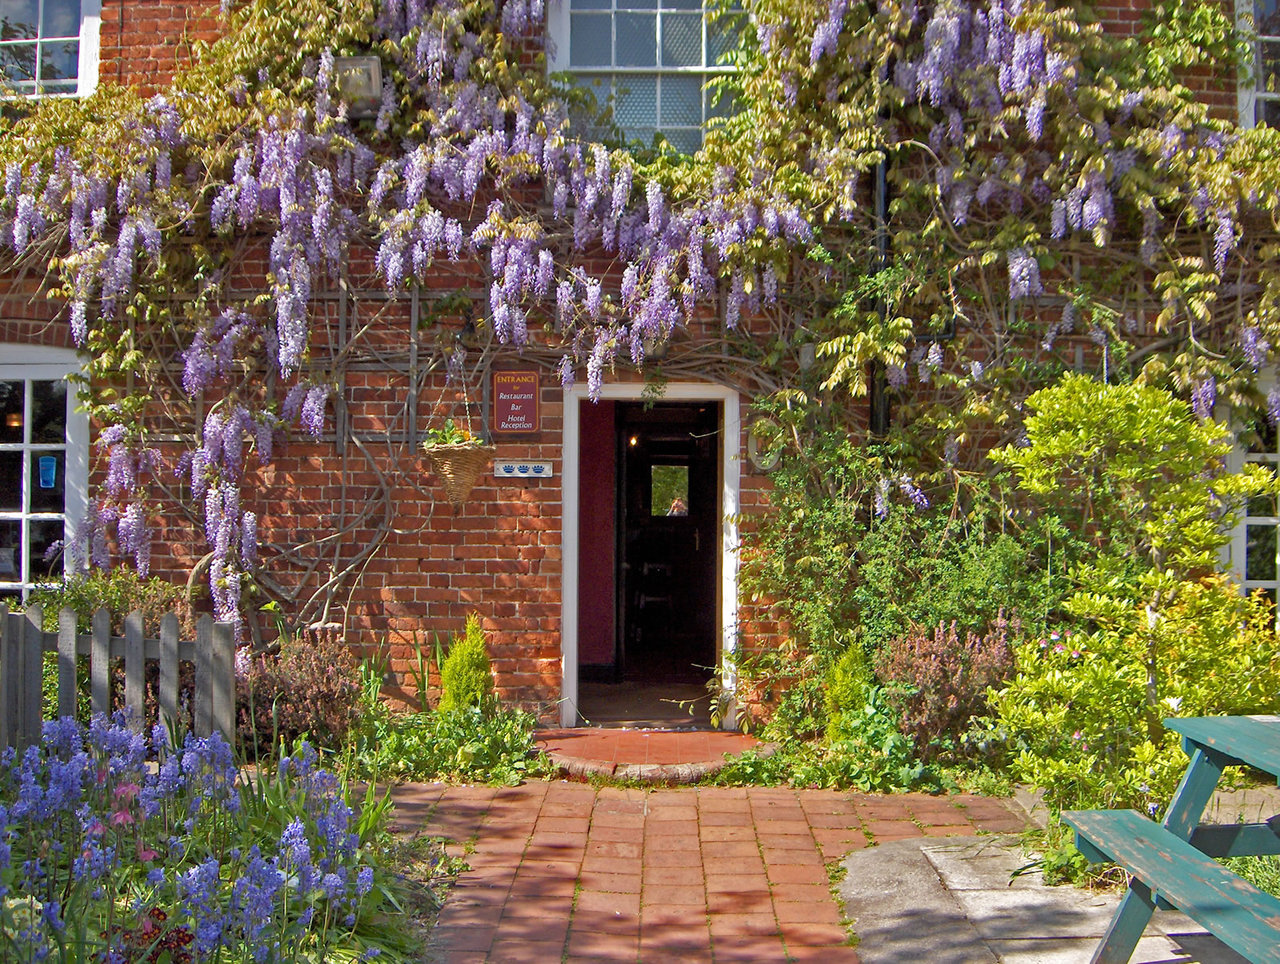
(40, 45)
(33, 479)
(669, 492)
(1266, 66)
(1257, 548)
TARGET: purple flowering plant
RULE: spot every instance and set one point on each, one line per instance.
(116, 845)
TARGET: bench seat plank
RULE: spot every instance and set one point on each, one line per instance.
(1252, 742)
(1243, 917)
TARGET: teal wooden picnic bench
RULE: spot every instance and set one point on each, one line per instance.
(1170, 863)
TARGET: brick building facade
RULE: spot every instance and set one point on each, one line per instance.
(577, 568)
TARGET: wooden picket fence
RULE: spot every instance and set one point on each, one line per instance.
(23, 645)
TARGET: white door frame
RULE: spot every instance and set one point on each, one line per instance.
(730, 466)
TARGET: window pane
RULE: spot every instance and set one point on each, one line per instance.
(590, 40)
(18, 19)
(1267, 111)
(1262, 436)
(49, 412)
(10, 481)
(1260, 552)
(723, 35)
(637, 40)
(591, 5)
(669, 490)
(11, 405)
(681, 102)
(1268, 66)
(682, 40)
(720, 103)
(10, 544)
(48, 475)
(18, 62)
(684, 139)
(61, 18)
(683, 5)
(637, 102)
(59, 60)
(41, 538)
(1265, 19)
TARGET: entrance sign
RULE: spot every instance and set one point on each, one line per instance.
(515, 402)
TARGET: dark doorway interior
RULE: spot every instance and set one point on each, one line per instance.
(668, 540)
(648, 575)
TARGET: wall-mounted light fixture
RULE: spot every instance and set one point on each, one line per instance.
(13, 420)
(360, 83)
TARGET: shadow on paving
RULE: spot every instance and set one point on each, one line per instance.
(579, 873)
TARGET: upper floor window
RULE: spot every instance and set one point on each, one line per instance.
(49, 46)
(1260, 91)
(44, 457)
(649, 59)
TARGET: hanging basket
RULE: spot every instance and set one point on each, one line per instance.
(458, 466)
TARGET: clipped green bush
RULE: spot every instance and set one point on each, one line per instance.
(466, 681)
(847, 683)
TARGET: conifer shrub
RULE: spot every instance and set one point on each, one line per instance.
(466, 679)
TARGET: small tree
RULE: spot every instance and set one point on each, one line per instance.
(465, 677)
(1145, 480)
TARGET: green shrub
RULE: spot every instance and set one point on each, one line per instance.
(466, 680)
(120, 591)
(847, 684)
(944, 681)
(864, 751)
(1074, 717)
(464, 744)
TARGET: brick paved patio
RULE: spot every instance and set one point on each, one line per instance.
(573, 872)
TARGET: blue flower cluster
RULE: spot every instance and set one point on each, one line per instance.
(112, 841)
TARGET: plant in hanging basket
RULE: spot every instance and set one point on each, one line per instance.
(458, 459)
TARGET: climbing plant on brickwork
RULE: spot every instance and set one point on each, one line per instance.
(1043, 177)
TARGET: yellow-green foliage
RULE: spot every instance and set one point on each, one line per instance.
(465, 678)
(847, 684)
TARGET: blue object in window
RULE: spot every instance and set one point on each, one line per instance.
(48, 471)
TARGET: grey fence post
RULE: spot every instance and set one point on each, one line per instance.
(135, 670)
(224, 687)
(66, 662)
(169, 672)
(100, 663)
(31, 663)
(204, 676)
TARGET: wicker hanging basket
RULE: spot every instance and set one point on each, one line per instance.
(458, 466)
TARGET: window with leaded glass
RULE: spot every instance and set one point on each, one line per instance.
(49, 46)
(43, 469)
(1254, 548)
(649, 59)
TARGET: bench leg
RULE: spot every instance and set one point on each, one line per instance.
(1126, 927)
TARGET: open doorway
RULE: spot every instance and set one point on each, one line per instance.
(650, 561)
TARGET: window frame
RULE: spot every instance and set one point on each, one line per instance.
(31, 363)
(88, 60)
(559, 40)
(1247, 92)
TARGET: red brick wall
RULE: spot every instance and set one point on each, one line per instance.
(142, 42)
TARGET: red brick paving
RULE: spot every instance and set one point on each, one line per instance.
(653, 747)
(571, 872)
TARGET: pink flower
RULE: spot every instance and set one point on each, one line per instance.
(126, 792)
(121, 818)
(1059, 648)
(145, 854)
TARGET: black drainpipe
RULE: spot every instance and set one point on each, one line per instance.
(878, 401)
